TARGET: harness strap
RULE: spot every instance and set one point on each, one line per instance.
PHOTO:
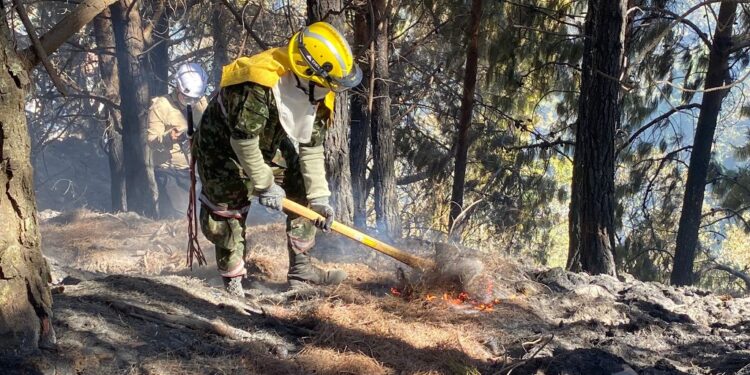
(220, 99)
(223, 212)
(194, 247)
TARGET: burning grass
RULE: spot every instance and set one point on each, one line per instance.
(353, 331)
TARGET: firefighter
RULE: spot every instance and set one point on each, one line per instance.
(278, 102)
(167, 125)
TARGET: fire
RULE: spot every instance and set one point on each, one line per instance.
(453, 299)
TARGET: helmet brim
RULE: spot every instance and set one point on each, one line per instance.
(351, 80)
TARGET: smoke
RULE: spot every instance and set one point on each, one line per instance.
(456, 264)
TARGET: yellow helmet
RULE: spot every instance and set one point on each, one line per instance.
(319, 53)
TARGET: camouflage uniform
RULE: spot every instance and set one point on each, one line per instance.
(251, 112)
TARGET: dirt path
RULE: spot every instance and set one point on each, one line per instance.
(125, 304)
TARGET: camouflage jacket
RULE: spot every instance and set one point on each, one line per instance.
(250, 112)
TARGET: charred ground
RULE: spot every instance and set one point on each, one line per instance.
(125, 304)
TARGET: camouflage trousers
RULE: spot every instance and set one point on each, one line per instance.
(228, 234)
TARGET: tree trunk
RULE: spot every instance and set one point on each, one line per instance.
(105, 41)
(158, 56)
(695, 187)
(219, 15)
(383, 148)
(360, 123)
(25, 300)
(134, 103)
(592, 235)
(467, 109)
(337, 162)
(337, 138)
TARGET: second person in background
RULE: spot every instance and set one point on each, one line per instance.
(167, 138)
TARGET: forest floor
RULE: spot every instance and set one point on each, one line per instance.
(125, 303)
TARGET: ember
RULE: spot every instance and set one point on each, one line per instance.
(457, 300)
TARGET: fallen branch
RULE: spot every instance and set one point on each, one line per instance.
(215, 326)
(507, 369)
(294, 293)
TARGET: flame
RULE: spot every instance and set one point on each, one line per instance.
(462, 299)
(454, 299)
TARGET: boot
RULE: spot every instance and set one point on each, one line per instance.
(233, 286)
(301, 270)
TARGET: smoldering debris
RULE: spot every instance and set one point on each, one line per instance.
(456, 264)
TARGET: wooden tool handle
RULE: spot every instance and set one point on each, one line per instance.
(401, 256)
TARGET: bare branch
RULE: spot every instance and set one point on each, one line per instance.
(740, 44)
(191, 55)
(681, 19)
(69, 25)
(732, 213)
(149, 29)
(410, 179)
(543, 145)
(575, 36)
(97, 98)
(38, 49)
(715, 265)
(248, 27)
(657, 120)
(717, 88)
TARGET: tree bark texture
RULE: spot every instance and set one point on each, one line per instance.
(387, 213)
(592, 235)
(158, 56)
(338, 172)
(105, 41)
(25, 300)
(360, 122)
(134, 104)
(219, 15)
(467, 110)
(700, 157)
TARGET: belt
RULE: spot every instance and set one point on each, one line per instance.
(223, 212)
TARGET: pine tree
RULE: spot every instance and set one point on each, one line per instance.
(592, 203)
(700, 158)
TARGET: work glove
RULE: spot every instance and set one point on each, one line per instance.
(323, 207)
(272, 197)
